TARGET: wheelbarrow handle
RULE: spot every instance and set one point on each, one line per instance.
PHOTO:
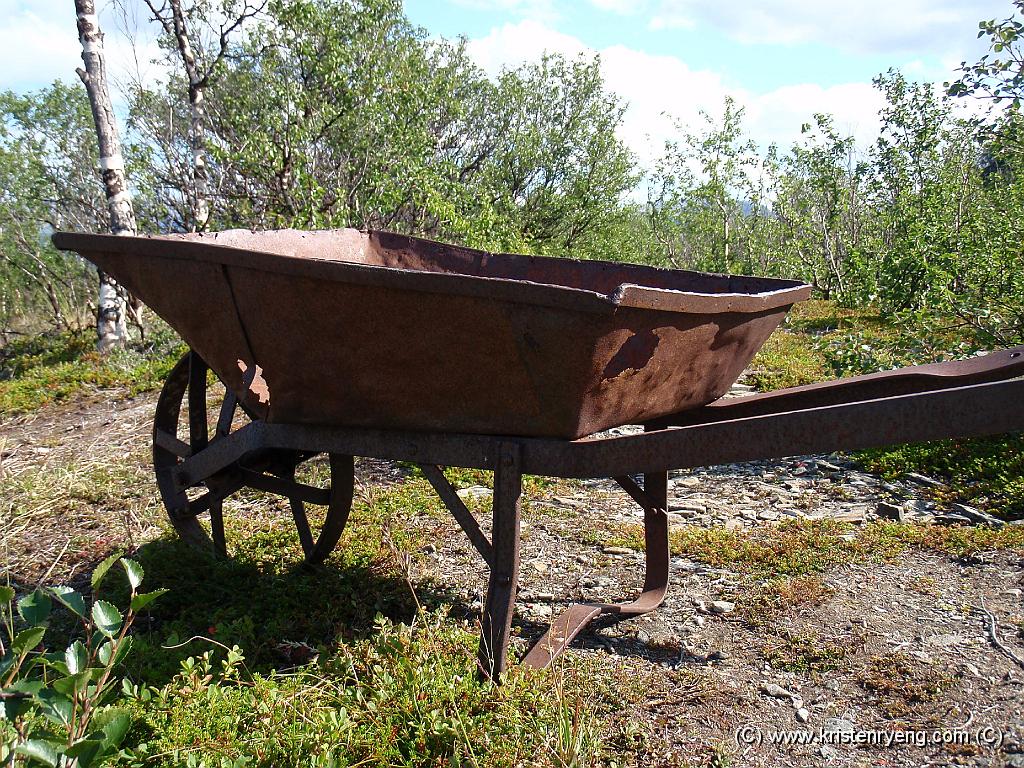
(995, 366)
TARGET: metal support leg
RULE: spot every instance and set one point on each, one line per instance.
(576, 618)
(503, 582)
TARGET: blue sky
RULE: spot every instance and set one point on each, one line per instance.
(782, 60)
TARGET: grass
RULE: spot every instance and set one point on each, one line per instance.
(344, 664)
(820, 341)
(53, 367)
(405, 696)
(806, 547)
(902, 684)
(806, 654)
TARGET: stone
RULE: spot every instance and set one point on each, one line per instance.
(474, 492)
(977, 516)
(919, 479)
(688, 482)
(722, 606)
(803, 715)
(717, 655)
(617, 550)
(776, 691)
(890, 511)
(838, 725)
(952, 520)
(539, 566)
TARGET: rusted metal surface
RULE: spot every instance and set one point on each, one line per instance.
(369, 344)
(653, 497)
(267, 469)
(779, 426)
(416, 335)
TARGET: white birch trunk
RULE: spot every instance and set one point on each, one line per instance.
(111, 316)
(197, 115)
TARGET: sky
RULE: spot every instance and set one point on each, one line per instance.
(782, 60)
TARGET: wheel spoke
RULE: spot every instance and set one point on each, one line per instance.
(220, 545)
(302, 525)
(198, 430)
(170, 443)
(274, 472)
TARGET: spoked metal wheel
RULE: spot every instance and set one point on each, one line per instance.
(177, 437)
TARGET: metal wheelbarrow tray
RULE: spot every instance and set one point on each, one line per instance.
(374, 329)
(373, 344)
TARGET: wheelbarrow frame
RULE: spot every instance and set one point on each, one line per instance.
(962, 399)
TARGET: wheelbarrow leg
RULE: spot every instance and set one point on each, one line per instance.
(496, 623)
(653, 497)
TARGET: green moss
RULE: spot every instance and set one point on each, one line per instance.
(988, 472)
(54, 367)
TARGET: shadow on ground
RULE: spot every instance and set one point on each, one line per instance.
(275, 611)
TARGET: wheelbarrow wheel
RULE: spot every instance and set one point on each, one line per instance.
(177, 437)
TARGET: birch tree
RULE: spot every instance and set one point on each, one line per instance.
(112, 305)
(199, 63)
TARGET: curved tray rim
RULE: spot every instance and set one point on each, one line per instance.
(631, 295)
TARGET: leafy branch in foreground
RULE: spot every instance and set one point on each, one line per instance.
(53, 705)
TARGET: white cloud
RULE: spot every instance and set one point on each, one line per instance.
(623, 7)
(872, 26)
(537, 10)
(659, 88)
(39, 44)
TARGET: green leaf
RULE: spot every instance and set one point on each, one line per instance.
(35, 608)
(86, 751)
(72, 684)
(28, 639)
(55, 706)
(105, 651)
(6, 594)
(102, 568)
(134, 571)
(47, 752)
(107, 617)
(141, 601)
(76, 657)
(70, 599)
(115, 724)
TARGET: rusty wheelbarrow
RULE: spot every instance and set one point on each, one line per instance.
(351, 343)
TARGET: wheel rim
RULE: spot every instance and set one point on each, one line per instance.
(274, 472)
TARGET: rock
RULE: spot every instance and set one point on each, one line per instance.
(952, 520)
(539, 566)
(924, 480)
(776, 691)
(688, 482)
(617, 550)
(977, 516)
(803, 715)
(1015, 761)
(890, 511)
(838, 725)
(826, 466)
(850, 515)
(717, 655)
(1011, 592)
(474, 492)
(722, 606)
